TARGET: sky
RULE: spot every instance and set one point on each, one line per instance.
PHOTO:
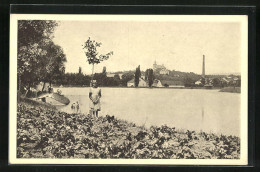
(178, 45)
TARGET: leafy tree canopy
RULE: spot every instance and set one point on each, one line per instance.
(39, 58)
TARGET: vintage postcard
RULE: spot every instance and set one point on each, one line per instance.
(128, 89)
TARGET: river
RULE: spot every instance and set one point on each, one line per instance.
(192, 109)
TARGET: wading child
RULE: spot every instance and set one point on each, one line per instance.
(94, 96)
(77, 106)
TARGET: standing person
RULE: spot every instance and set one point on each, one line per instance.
(72, 107)
(77, 106)
(94, 96)
(49, 89)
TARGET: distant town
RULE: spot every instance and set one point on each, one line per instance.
(158, 76)
(164, 77)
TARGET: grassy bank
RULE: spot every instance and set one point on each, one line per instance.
(231, 89)
(39, 104)
(43, 132)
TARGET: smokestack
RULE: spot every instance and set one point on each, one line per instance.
(203, 67)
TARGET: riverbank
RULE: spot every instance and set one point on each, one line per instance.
(231, 89)
(43, 132)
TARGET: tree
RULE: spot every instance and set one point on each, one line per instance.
(127, 77)
(92, 53)
(34, 31)
(101, 78)
(150, 77)
(238, 83)
(104, 70)
(166, 85)
(216, 82)
(33, 36)
(111, 82)
(117, 77)
(203, 81)
(74, 79)
(80, 70)
(137, 76)
(146, 74)
(30, 60)
(188, 82)
(52, 65)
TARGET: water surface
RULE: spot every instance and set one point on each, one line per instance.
(193, 109)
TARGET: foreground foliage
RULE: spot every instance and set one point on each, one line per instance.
(46, 133)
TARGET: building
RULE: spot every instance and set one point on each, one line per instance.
(237, 81)
(236, 78)
(157, 83)
(143, 77)
(142, 83)
(198, 82)
(228, 79)
(172, 84)
(111, 75)
(161, 69)
(231, 80)
(164, 72)
(131, 83)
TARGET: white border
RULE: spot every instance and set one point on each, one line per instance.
(242, 19)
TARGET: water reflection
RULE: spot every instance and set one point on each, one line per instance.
(202, 119)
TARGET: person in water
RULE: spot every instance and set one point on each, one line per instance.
(77, 106)
(94, 96)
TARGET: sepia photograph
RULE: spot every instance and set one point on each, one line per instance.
(128, 89)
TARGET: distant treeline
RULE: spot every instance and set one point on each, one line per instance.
(80, 79)
(187, 78)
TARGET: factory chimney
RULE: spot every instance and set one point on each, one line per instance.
(203, 67)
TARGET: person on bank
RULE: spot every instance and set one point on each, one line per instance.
(94, 96)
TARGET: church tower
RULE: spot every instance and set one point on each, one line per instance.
(154, 65)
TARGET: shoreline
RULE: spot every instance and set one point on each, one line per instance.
(44, 132)
(231, 90)
(224, 89)
(203, 88)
